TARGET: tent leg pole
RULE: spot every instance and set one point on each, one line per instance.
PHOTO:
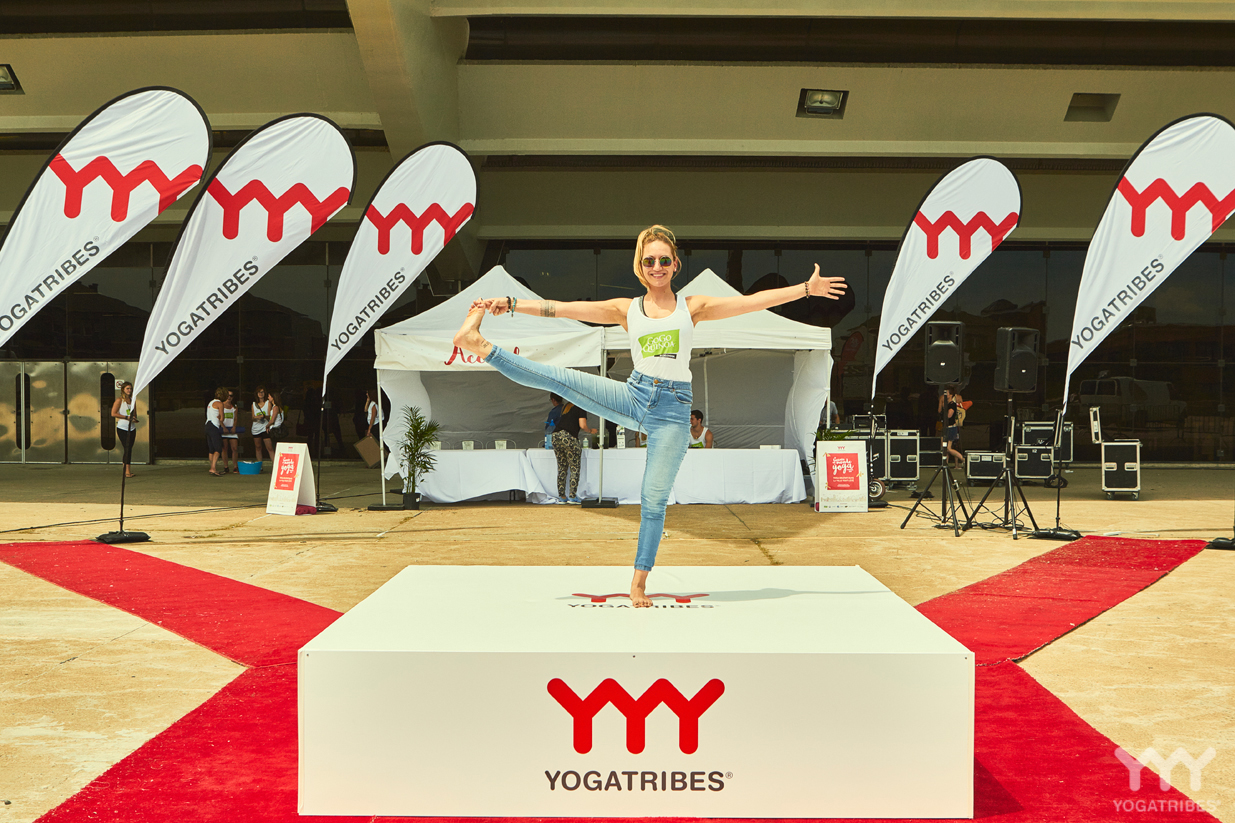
(599, 502)
(381, 454)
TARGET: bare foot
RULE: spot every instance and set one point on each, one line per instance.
(469, 338)
(638, 586)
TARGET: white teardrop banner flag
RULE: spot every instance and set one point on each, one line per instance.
(274, 190)
(115, 173)
(419, 207)
(964, 217)
(1174, 194)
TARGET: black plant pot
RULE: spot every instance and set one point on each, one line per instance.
(411, 500)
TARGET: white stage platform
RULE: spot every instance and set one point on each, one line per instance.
(706, 476)
(537, 692)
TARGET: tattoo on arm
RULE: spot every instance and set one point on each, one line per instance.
(548, 308)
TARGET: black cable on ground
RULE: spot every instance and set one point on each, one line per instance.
(163, 514)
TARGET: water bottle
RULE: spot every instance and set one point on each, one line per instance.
(621, 437)
(548, 441)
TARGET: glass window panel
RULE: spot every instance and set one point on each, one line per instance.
(761, 267)
(616, 277)
(1178, 322)
(555, 274)
(700, 260)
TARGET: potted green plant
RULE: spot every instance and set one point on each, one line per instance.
(416, 452)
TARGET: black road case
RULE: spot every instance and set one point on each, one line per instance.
(1033, 462)
(902, 456)
(1043, 434)
(930, 453)
(876, 453)
(1121, 468)
(983, 465)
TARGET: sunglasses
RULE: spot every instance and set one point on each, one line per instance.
(665, 262)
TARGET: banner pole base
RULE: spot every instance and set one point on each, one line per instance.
(383, 507)
(324, 507)
(1055, 534)
(1222, 543)
(600, 503)
(112, 538)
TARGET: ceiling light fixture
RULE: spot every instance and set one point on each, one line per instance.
(827, 103)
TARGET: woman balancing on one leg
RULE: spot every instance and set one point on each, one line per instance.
(656, 399)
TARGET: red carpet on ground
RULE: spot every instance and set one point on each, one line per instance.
(1013, 613)
(234, 758)
(247, 624)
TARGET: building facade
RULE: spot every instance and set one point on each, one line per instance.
(588, 122)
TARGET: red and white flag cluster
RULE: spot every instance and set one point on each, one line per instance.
(115, 173)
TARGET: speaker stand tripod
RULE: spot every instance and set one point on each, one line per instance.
(951, 496)
(1011, 486)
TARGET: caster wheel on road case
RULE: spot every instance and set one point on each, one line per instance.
(1110, 496)
(1136, 495)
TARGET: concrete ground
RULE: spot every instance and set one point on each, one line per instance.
(82, 684)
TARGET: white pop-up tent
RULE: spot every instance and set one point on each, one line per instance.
(749, 369)
(418, 365)
(759, 378)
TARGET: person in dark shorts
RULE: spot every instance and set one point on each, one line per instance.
(214, 429)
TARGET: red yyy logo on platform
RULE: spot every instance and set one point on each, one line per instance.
(636, 711)
(963, 230)
(122, 185)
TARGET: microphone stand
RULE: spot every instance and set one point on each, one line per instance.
(122, 536)
(1058, 532)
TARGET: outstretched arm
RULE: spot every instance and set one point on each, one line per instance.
(704, 307)
(605, 312)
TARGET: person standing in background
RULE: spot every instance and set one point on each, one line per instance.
(275, 429)
(124, 411)
(568, 450)
(263, 414)
(372, 413)
(555, 414)
(214, 429)
(231, 438)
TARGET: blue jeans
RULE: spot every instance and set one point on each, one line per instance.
(660, 408)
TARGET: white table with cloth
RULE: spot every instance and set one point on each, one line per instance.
(706, 476)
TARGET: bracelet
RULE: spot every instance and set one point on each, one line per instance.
(514, 304)
(508, 304)
(806, 286)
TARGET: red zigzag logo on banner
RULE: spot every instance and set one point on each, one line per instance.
(385, 222)
(122, 185)
(1140, 201)
(965, 231)
(636, 711)
(276, 207)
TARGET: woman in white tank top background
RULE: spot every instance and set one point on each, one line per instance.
(656, 399)
(124, 411)
(231, 436)
(263, 420)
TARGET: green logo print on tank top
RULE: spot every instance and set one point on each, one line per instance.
(660, 344)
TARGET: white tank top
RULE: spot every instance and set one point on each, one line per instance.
(702, 442)
(126, 408)
(373, 415)
(261, 417)
(661, 348)
(212, 415)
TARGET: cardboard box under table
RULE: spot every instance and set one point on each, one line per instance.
(804, 692)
